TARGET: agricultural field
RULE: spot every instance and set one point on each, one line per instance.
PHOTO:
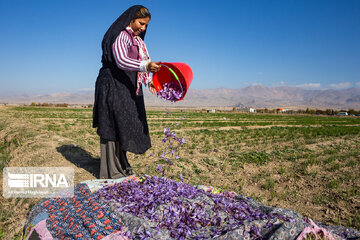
(309, 164)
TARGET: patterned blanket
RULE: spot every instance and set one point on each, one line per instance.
(160, 208)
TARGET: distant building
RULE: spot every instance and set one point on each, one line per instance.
(342, 114)
(247, 109)
(211, 110)
(281, 110)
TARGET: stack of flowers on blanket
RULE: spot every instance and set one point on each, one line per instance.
(184, 210)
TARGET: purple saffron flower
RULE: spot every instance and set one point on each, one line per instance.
(160, 167)
(163, 155)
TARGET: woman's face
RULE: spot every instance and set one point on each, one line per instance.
(139, 25)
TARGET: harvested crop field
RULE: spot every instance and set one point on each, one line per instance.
(310, 164)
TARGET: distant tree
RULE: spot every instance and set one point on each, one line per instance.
(32, 104)
(352, 111)
(61, 105)
(329, 112)
(319, 111)
(310, 111)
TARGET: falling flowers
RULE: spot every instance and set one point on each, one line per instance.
(172, 143)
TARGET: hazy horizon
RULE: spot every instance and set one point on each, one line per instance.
(84, 90)
(251, 96)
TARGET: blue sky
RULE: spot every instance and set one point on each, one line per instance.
(55, 46)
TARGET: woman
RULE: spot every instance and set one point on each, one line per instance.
(119, 110)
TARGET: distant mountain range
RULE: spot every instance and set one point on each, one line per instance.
(257, 96)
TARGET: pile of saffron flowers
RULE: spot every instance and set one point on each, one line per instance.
(171, 92)
(183, 210)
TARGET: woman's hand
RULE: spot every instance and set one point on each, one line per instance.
(152, 88)
(153, 66)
